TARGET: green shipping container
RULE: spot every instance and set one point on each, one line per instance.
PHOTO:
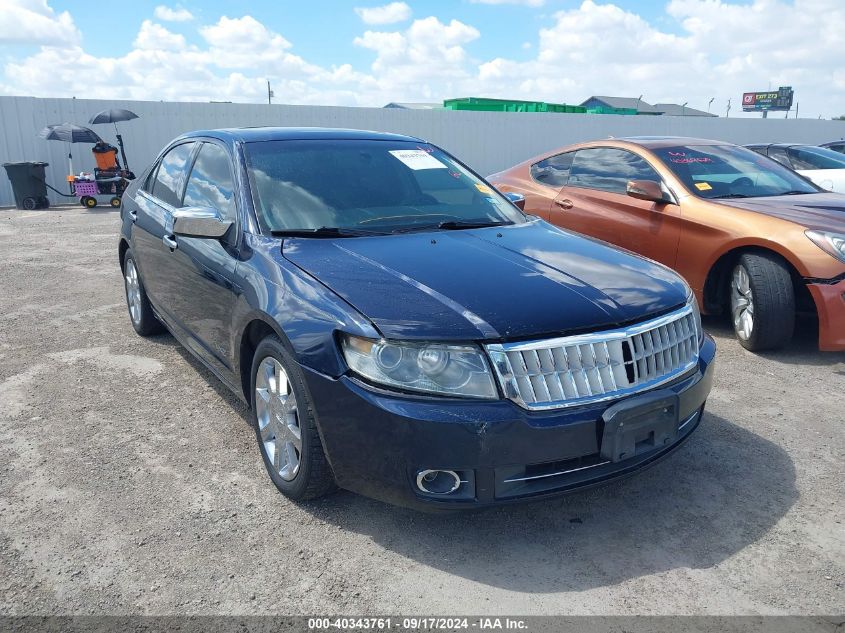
(480, 104)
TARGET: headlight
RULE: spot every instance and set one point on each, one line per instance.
(696, 315)
(454, 370)
(831, 243)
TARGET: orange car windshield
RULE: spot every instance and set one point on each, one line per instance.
(729, 171)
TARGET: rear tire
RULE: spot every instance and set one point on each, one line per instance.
(285, 427)
(762, 301)
(141, 313)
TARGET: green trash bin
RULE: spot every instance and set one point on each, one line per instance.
(29, 184)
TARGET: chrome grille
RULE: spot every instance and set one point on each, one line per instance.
(598, 366)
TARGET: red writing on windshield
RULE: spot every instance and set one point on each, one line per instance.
(691, 159)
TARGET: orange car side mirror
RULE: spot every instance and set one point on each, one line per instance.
(646, 190)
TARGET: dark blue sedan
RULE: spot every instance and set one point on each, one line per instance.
(401, 329)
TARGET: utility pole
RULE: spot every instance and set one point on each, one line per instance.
(269, 94)
(796, 109)
(709, 104)
(684, 108)
(728, 109)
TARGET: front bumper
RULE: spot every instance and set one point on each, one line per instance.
(830, 306)
(378, 441)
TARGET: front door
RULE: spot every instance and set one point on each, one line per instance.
(594, 202)
(202, 269)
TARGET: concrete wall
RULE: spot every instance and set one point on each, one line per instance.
(488, 141)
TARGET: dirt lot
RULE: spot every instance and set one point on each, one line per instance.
(130, 483)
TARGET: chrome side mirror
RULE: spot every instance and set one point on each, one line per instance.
(200, 222)
(517, 199)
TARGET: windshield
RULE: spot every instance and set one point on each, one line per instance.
(808, 157)
(368, 186)
(728, 171)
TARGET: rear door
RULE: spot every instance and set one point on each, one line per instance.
(594, 202)
(156, 200)
(202, 270)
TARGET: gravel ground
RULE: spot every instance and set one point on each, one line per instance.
(131, 483)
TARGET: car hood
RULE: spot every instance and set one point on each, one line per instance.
(498, 283)
(823, 211)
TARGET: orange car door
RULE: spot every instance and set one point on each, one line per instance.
(594, 202)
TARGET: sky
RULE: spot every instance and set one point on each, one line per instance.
(359, 53)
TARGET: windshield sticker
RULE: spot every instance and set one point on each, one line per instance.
(417, 159)
(483, 188)
(703, 186)
(682, 158)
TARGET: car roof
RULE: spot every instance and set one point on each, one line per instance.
(653, 142)
(257, 134)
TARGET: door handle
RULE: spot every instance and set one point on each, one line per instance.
(133, 215)
(170, 242)
(564, 204)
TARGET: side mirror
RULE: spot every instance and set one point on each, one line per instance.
(199, 222)
(517, 198)
(646, 190)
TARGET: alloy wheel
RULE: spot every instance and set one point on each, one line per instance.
(742, 303)
(133, 291)
(278, 418)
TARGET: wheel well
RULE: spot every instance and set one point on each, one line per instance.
(121, 252)
(254, 333)
(716, 284)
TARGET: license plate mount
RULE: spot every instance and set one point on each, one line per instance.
(639, 424)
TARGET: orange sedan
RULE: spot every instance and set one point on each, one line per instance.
(749, 235)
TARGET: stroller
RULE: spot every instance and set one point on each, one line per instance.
(108, 180)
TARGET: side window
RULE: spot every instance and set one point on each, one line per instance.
(779, 154)
(608, 169)
(553, 171)
(210, 183)
(167, 185)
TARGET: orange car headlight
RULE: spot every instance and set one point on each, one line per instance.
(831, 243)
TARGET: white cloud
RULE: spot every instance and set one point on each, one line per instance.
(34, 22)
(154, 36)
(387, 14)
(421, 63)
(172, 14)
(527, 3)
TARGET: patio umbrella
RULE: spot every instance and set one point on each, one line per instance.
(69, 133)
(114, 115)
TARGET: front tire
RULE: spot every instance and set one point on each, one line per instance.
(141, 313)
(762, 301)
(285, 427)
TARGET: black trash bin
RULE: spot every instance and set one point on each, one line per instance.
(28, 184)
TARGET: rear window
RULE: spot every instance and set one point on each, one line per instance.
(170, 176)
(553, 171)
(815, 158)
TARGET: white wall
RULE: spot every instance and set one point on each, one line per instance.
(488, 141)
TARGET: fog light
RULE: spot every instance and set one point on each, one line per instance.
(438, 482)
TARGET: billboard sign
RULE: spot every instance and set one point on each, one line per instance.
(769, 100)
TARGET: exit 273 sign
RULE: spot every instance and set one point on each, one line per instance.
(770, 100)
